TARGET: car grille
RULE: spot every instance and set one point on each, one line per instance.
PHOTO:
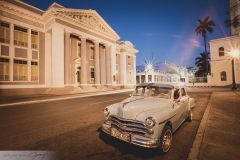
(127, 125)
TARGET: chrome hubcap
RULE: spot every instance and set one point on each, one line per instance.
(167, 140)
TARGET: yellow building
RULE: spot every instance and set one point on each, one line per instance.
(221, 51)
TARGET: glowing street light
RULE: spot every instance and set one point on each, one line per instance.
(235, 53)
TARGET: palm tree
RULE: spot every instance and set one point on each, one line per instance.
(201, 64)
(235, 22)
(205, 26)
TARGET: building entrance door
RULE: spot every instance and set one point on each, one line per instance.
(78, 75)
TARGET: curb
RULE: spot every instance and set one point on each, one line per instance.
(195, 149)
(65, 98)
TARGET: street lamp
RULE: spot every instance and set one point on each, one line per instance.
(235, 53)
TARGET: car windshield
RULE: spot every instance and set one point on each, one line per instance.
(153, 91)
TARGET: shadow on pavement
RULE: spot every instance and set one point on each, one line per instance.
(126, 148)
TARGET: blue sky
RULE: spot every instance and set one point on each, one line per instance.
(159, 29)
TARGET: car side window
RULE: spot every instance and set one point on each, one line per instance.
(183, 92)
(176, 94)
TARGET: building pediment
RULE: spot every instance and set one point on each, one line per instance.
(89, 20)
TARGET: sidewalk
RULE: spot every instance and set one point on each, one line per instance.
(45, 95)
(221, 136)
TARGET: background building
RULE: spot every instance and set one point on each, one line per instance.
(161, 72)
(221, 50)
(61, 47)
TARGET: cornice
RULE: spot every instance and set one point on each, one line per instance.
(15, 10)
(87, 19)
(237, 37)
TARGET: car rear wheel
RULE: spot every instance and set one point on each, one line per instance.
(166, 139)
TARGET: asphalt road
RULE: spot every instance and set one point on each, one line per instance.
(71, 129)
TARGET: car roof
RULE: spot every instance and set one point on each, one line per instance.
(164, 85)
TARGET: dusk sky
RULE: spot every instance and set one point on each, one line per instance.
(162, 29)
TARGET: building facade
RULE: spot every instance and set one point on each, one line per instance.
(161, 72)
(61, 47)
(221, 53)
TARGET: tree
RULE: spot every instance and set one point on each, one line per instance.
(235, 22)
(205, 26)
(201, 64)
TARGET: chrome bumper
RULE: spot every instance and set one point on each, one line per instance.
(136, 140)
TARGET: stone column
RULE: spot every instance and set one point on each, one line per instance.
(103, 66)
(29, 54)
(113, 64)
(67, 62)
(48, 59)
(123, 69)
(146, 77)
(11, 52)
(134, 70)
(97, 63)
(57, 56)
(108, 65)
(83, 61)
(140, 78)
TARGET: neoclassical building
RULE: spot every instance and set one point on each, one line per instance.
(221, 50)
(161, 72)
(61, 47)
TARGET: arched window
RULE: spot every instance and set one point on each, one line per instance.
(221, 51)
(223, 76)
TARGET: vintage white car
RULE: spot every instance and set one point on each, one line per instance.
(149, 116)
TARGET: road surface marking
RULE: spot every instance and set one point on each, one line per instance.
(64, 98)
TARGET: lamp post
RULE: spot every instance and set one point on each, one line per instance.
(235, 53)
(234, 85)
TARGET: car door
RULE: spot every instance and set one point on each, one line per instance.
(177, 109)
(184, 104)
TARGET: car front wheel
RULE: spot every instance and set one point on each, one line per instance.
(166, 139)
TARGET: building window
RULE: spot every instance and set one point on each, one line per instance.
(34, 71)
(223, 76)
(149, 78)
(20, 70)
(20, 36)
(92, 75)
(34, 39)
(4, 69)
(137, 79)
(128, 60)
(79, 50)
(143, 79)
(155, 78)
(92, 53)
(4, 33)
(4, 50)
(221, 51)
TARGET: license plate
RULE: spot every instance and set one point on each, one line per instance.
(119, 135)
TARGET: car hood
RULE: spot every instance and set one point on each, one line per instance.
(134, 106)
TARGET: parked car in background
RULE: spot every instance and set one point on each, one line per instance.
(149, 116)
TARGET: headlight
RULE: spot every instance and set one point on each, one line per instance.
(106, 113)
(150, 122)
